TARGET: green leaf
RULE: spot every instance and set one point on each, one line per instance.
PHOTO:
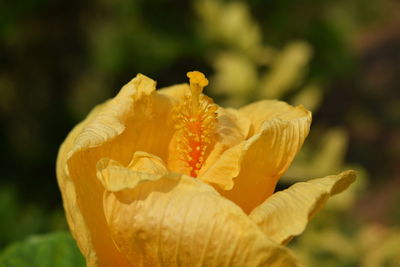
(55, 249)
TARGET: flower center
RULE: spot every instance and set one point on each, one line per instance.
(195, 124)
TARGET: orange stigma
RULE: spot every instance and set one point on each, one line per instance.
(195, 124)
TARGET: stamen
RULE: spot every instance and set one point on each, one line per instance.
(195, 124)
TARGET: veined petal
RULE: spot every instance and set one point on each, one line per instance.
(265, 110)
(130, 122)
(143, 167)
(175, 220)
(286, 213)
(249, 171)
(76, 221)
(232, 129)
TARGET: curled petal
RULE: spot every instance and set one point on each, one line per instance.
(232, 129)
(249, 171)
(130, 122)
(265, 110)
(75, 218)
(286, 213)
(176, 220)
(143, 167)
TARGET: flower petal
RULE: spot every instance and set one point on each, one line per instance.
(176, 220)
(286, 213)
(265, 110)
(74, 216)
(144, 166)
(130, 122)
(257, 163)
(232, 129)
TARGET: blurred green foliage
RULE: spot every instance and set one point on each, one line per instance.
(339, 59)
(19, 219)
(55, 249)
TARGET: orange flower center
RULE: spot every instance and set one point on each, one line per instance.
(195, 124)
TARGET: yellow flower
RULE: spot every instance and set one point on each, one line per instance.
(168, 178)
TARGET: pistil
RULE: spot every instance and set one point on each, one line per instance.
(195, 122)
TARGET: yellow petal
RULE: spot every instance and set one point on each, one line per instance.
(175, 93)
(143, 166)
(130, 122)
(265, 110)
(145, 162)
(232, 129)
(74, 216)
(286, 213)
(256, 164)
(176, 220)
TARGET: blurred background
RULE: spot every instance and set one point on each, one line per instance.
(339, 59)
